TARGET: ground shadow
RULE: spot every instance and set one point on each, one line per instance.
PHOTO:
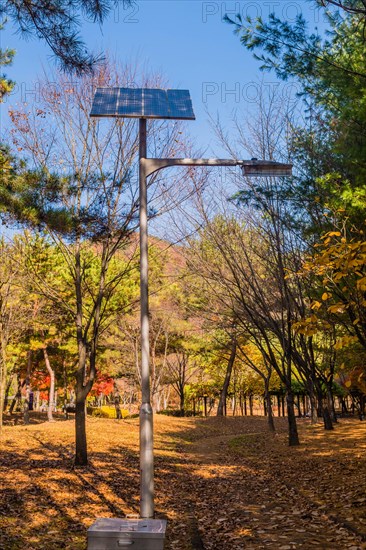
(223, 484)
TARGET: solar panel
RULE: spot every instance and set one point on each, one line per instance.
(128, 102)
(105, 100)
(180, 103)
(142, 103)
(155, 103)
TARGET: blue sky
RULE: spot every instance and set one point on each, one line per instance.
(186, 40)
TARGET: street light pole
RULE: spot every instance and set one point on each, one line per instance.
(146, 414)
(143, 103)
(149, 166)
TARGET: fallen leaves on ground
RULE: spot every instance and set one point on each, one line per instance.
(223, 484)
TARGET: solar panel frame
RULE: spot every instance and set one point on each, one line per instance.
(153, 103)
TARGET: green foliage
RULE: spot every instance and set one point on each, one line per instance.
(57, 23)
(328, 195)
(29, 197)
(6, 59)
(13, 204)
(331, 72)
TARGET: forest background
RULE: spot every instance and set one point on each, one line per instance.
(261, 288)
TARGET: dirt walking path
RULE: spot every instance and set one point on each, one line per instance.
(250, 491)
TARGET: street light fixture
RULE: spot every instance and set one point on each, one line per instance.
(144, 103)
(263, 168)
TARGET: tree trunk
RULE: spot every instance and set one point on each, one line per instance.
(251, 404)
(293, 437)
(26, 402)
(362, 407)
(328, 424)
(82, 390)
(299, 414)
(313, 408)
(158, 400)
(2, 394)
(81, 451)
(3, 374)
(278, 404)
(36, 401)
(117, 401)
(51, 393)
(17, 396)
(323, 409)
(205, 405)
(7, 390)
(2, 401)
(181, 401)
(319, 408)
(26, 407)
(166, 397)
(344, 406)
(268, 402)
(331, 406)
(118, 409)
(225, 388)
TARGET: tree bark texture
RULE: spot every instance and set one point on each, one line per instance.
(225, 388)
(331, 406)
(51, 393)
(293, 437)
(81, 451)
(117, 402)
(268, 402)
(27, 389)
(327, 419)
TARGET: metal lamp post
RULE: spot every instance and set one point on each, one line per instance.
(149, 166)
(159, 104)
(146, 413)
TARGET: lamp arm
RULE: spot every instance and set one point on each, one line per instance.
(154, 165)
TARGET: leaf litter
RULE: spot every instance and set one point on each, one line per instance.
(222, 484)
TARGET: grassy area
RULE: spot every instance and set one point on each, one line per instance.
(223, 484)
